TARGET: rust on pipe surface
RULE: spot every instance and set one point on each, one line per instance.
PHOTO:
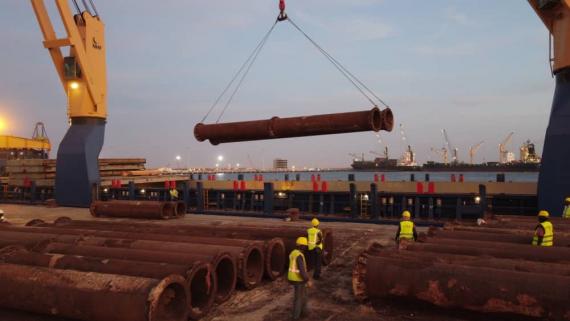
(524, 237)
(249, 257)
(456, 286)
(483, 261)
(89, 296)
(13, 315)
(275, 255)
(199, 281)
(287, 233)
(351, 122)
(223, 263)
(531, 253)
(132, 209)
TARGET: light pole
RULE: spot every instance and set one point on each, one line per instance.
(178, 158)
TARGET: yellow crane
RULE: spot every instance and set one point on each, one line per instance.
(473, 150)
(82, 73)
(19, 147)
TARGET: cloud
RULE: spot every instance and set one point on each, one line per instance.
(459, 49)
(367, 29)
(453, 15)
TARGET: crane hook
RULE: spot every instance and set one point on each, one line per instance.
(282, 15)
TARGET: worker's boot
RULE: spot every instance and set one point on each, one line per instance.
(77, 169)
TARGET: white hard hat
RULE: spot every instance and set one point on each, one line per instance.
(1, 212)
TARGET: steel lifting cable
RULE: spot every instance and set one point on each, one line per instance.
(350, 76)
(254, 53)
(260, 48)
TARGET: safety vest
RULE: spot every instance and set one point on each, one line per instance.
(548, 239)
(312, 236)
(294, 273)
(174, 193)
(406, 230)
(566, 211)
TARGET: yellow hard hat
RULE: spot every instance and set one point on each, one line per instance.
(543, 214)
(406, 214)
(302, 241)
(315, 222)
(568, 199)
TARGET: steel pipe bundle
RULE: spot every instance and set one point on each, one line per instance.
(133, 209)
(200, 281)
(275, 254)
(483, 261)
(458, 286)
(287, 233)
(520, 237)
(249, 257)
(223, 264)
(530, 253)
(89, 296)
(351, 122)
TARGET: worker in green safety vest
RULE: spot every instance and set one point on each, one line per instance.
(298, 277)
(544, 231)
(315, 239)
(406, 229)
(566, 212)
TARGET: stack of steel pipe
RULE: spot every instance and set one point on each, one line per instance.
(289, 234)
(526, 223)
(138, 209)
(481, 270)
(209, 264)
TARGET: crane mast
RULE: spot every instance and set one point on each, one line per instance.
(503, 152)
(553, 182)
(82, 73)
(473, 150)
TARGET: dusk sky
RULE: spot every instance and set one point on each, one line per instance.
(478, 68)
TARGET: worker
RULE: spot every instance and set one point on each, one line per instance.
(173, 194)
(406, 229)
(544, 231)
(315, 239)
(566, 213)
(299, 277)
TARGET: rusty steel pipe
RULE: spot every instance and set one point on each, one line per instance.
(481, 261)
(524, 237)
(456, 286)
(351, 122)
(200, 282)
(287, 233)
(223, 263)
(132, 209)
(181, 209)
(13, 315)
(531, 253)
(89, 296)
(275, 254)
(249, 257)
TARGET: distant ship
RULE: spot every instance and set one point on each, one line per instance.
(529, 162)
(381, 164)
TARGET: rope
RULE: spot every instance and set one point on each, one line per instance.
(236, 75)
(340, 67)
(260, 47)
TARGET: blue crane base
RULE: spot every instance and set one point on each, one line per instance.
(554, 177)
(77, 168)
